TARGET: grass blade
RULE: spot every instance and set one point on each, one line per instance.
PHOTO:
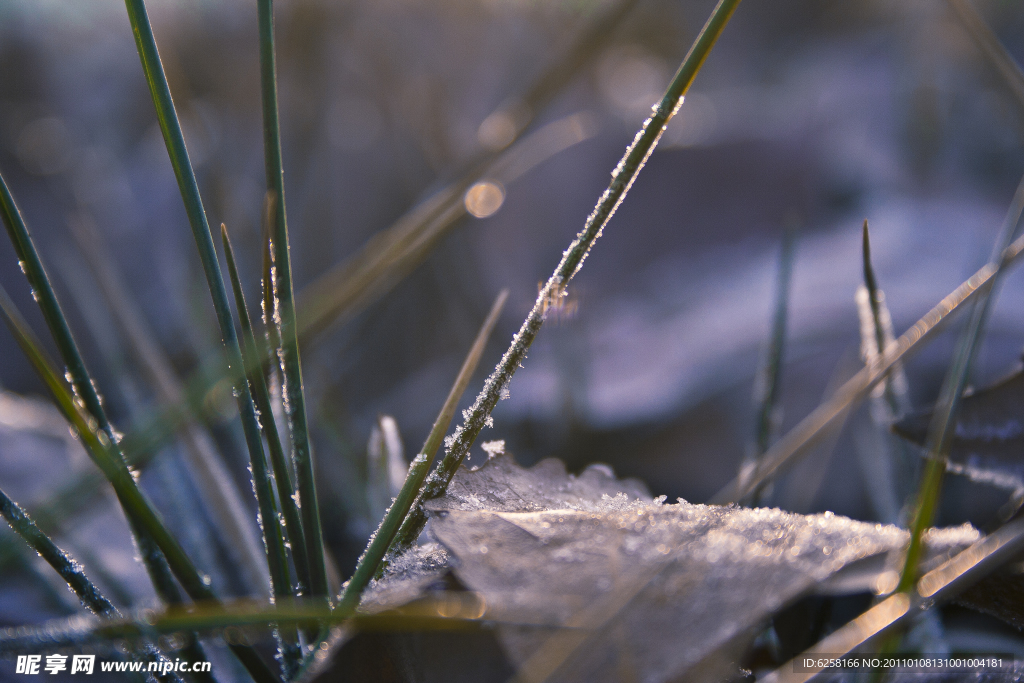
(790, 447)
(174, 140)
(770, 377)
(877, 328)
(572, 259)
(68, 569)
(386, 466)
(990, 46)
(278, 459)
(170, 126)
(391, 527)
(462, 609)
(277, 555)
(291, 366)
(265, 496)
(940, 431)
(889, 466)
(28, 258)
(78, 376)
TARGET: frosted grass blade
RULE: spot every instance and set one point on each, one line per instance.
(265, 495)
(572, 259)
(390, 531)
(273, 539)
(78, 376)
(71, 572)
(68, 569)
(288, 351)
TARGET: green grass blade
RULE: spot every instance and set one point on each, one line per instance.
(68, 569)
(277, 555)
(572, 259)
(43, 293)
(271, 313)
(291, 366)
(787, 450)
(463, 610)
(170, 126)
(278, 458)
(265, 496)
(389, 530)
(175, 142)
(889, 464)
(881, 324)
(940, 431)
(183, 173)
(78, 376)
(136, 507)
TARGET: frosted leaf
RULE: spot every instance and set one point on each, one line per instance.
(407, 577)
(597, 563)
(501, 485)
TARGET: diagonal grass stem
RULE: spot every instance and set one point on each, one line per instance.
(943, 424)
(572, 259)
(787, 450)
(389, 530)
(68, 569)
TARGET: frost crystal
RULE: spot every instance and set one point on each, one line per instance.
(493, 448)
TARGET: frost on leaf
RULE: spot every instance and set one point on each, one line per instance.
(582, 573)
(409, 576)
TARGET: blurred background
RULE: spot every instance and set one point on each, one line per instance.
(808, 116)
